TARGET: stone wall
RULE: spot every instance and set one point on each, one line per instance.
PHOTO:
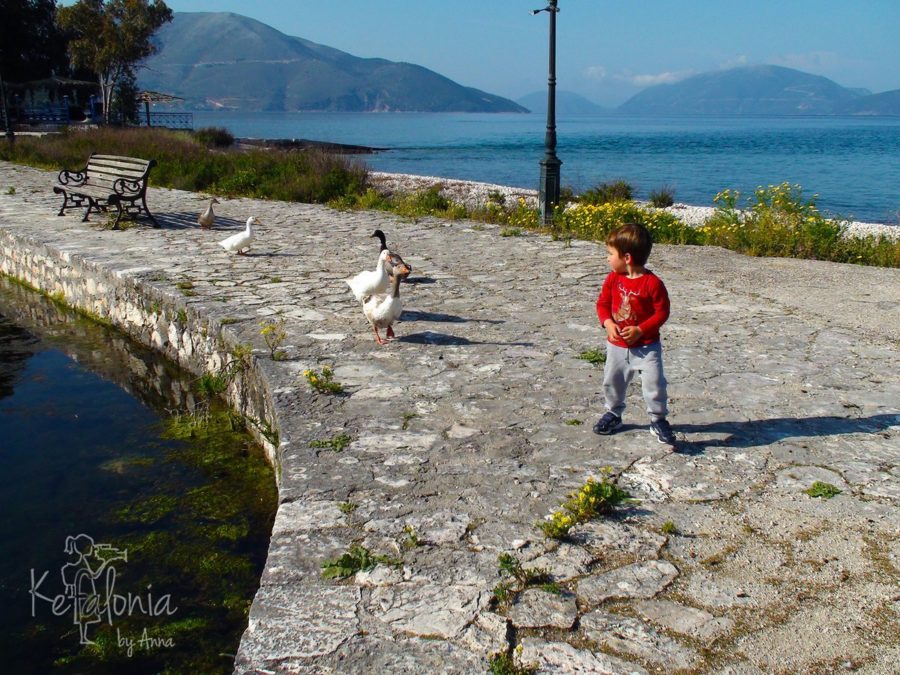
(148, 315)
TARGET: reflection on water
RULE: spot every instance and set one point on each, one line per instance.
(130, 540)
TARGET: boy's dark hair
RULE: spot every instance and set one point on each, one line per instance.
(632, 238)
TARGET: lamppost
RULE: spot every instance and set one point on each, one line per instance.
(548, 196)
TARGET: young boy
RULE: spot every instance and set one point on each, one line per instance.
(632, 306)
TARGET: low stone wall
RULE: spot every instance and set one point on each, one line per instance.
(151, 317)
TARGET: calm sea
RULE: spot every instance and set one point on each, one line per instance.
(852, 163)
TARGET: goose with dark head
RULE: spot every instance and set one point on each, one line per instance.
(395, 260)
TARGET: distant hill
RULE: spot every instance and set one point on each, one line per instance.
(224, 60)
(751, 90)
(886, 103)
(567, 103)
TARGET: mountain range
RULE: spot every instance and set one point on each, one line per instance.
(227, 61)
(758, 90)
(224, 60)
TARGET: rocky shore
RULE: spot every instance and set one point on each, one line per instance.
(473, 194)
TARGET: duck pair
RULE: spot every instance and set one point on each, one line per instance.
(380, 308)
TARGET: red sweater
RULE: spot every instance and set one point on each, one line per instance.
(642, 302)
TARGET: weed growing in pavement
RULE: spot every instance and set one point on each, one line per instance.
(274, 333)
(10, 190)
(502, 592)
(574, 423)
(822, 490)
(593, 356)
(412, 537)
(407, 418)
(336, 443)
(517, 578)
(668, 527)
(510, 232)
(347, 507)
(186, 288)
(505, 663)
(591, 500)
(511, 566)
(356, 559)
(323, 382)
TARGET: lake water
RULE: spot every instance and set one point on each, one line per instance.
(852, 163)
(96, 468)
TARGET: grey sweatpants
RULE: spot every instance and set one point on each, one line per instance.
(621, 365)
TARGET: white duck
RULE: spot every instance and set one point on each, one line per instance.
(207, 218)
(383, 310)
(238, 242)
(371, 282)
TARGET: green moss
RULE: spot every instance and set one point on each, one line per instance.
(822, 490)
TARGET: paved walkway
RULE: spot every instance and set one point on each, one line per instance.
(475, 423)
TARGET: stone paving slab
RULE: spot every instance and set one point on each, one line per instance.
(464, 435)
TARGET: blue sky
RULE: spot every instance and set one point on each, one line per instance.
(607, 50)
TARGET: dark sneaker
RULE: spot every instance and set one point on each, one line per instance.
(663, 432)
(607, 424)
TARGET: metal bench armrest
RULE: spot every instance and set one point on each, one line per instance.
(129, 187)
(73, 178)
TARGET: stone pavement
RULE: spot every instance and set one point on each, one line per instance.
(475, 422)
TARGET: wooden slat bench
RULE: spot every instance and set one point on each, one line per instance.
(105, 181)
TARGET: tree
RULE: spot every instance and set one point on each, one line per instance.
(112, 37)
(30, 45)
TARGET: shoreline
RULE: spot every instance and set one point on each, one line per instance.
(473, 194)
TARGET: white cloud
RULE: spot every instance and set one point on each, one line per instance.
(736, 62)
(648, 80)
(595, 73)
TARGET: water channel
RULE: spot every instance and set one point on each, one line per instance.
(132, 534)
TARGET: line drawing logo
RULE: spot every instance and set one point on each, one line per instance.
(89, 582)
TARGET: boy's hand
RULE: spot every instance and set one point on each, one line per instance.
(612, 330)
(631, 334)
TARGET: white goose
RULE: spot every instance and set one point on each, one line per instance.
(383, 310)
(238, 242)
(207, 218)
(395, 257)
(371, 282)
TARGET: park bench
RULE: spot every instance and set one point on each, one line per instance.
(106, 181)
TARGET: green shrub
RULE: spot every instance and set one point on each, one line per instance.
(662, 198)
(214, 137)
(779, 221)
(596, 221)
(605, 193)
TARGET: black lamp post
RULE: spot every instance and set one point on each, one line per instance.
(548, 196)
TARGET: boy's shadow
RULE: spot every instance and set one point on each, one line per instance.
(756, 433)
